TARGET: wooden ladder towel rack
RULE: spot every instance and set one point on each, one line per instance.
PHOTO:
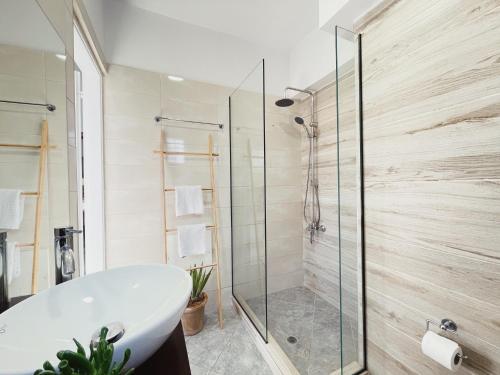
(42, 165)
(211, 155)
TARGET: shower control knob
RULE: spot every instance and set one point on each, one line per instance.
(322, 228)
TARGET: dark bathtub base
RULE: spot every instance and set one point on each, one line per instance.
(170, 359)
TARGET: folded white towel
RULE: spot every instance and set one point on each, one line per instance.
(11, 208)
(188, 200)
(13, 261)
(193, 239)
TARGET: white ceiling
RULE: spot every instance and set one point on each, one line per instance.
(277, 24)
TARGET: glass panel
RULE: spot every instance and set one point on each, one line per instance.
(349, 194)
(32, 70)
(248, 209)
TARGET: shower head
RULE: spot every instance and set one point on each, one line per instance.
(285, 102)
(299, 120)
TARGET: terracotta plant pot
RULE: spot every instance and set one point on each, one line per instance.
(193, 318)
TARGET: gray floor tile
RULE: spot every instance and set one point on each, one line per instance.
(198, 370)
(300, 313)
(296, 312)
(226, 351)
(241, 357)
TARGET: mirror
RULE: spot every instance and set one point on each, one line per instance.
(34, 182)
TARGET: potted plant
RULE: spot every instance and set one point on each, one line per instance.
(193, 317)
(100, 361)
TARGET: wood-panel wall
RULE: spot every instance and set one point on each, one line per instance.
(431, 80)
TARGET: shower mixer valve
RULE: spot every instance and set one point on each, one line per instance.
(314, 227)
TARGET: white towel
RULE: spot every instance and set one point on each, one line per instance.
(13, 261)
(188, 200)
(192, 239)
(11, 208)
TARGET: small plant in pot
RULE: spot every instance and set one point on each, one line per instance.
(99, 362)
(193, 317)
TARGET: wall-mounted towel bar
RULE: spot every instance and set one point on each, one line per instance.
(203, 189)
(159, 118)
(178, 153)
(50, 107)
(30, 193)
(175, 230)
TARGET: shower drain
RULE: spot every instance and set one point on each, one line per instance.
(291, 339)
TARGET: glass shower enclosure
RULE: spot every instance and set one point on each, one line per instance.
(302, 291)
(248, 197)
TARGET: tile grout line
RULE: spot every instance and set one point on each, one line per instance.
(226, 346)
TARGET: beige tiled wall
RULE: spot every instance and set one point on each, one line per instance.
(284, 199)
(132, 172)
(132, 98)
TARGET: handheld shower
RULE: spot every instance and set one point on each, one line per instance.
(300, 121)
(312, 216)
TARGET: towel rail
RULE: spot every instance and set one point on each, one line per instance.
(16, 145)
(25, 244)
(203, 189)
(219, 125)
(178, 153)
(50, 107)
(175, 230)
(200, 267)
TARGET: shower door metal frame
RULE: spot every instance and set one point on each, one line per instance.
(242, 306)
(361, 192)
(362, 200)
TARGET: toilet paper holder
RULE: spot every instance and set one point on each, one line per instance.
(446, 325)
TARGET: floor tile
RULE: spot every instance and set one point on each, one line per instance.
(241, 357)
(230, 350)
(315, 323)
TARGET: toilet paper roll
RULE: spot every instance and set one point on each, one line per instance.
(444, 351)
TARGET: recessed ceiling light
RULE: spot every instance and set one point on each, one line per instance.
(60, 56)
(175, 78)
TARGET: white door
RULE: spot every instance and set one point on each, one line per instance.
(90, 184)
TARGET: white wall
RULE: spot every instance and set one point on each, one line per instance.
(328, 9)
(149, 41)
(312, 61)
(23, 24)
(95, 11)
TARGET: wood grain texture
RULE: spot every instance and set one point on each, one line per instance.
(431, 80)
(321, 259)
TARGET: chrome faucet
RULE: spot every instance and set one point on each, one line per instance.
(64, 254)
(4, 290)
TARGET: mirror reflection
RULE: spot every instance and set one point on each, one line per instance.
(34, 184)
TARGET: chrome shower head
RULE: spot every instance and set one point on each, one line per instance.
(285, 102)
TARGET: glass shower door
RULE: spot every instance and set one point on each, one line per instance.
(350, 200)
(248, 198)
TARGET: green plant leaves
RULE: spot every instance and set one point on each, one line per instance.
(98, 363)
(200, 278)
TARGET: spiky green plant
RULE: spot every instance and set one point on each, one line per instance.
(200, 278)
(100, 361)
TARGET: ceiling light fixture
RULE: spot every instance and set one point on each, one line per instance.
(175, 78)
